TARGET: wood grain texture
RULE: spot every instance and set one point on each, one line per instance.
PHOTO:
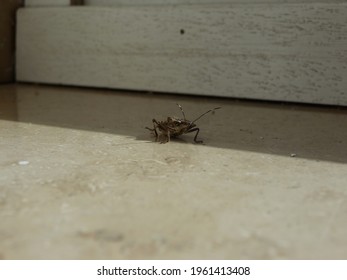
(288, 52)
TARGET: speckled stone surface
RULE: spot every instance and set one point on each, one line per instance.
(81, 178)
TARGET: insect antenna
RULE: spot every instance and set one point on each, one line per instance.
(184, 116)
(212, 110)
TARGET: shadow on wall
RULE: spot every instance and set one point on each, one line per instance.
(7, 38)
(312, 132)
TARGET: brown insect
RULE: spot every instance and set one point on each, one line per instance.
(174, 127)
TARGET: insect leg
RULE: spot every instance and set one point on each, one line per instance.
(165, 137)
(155, 123)
(196, 135)
(154, 129)
(184, 116)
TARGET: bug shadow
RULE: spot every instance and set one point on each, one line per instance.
(313, 132)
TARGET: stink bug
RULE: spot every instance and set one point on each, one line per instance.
(174, 127)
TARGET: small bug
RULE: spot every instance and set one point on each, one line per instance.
(174, 127)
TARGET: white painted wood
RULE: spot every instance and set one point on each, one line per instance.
(289, 52)
(46, 3)
(186, 2)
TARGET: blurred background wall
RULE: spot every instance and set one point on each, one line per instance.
(7, 38)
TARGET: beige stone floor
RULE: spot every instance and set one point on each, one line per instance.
(81, 178)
